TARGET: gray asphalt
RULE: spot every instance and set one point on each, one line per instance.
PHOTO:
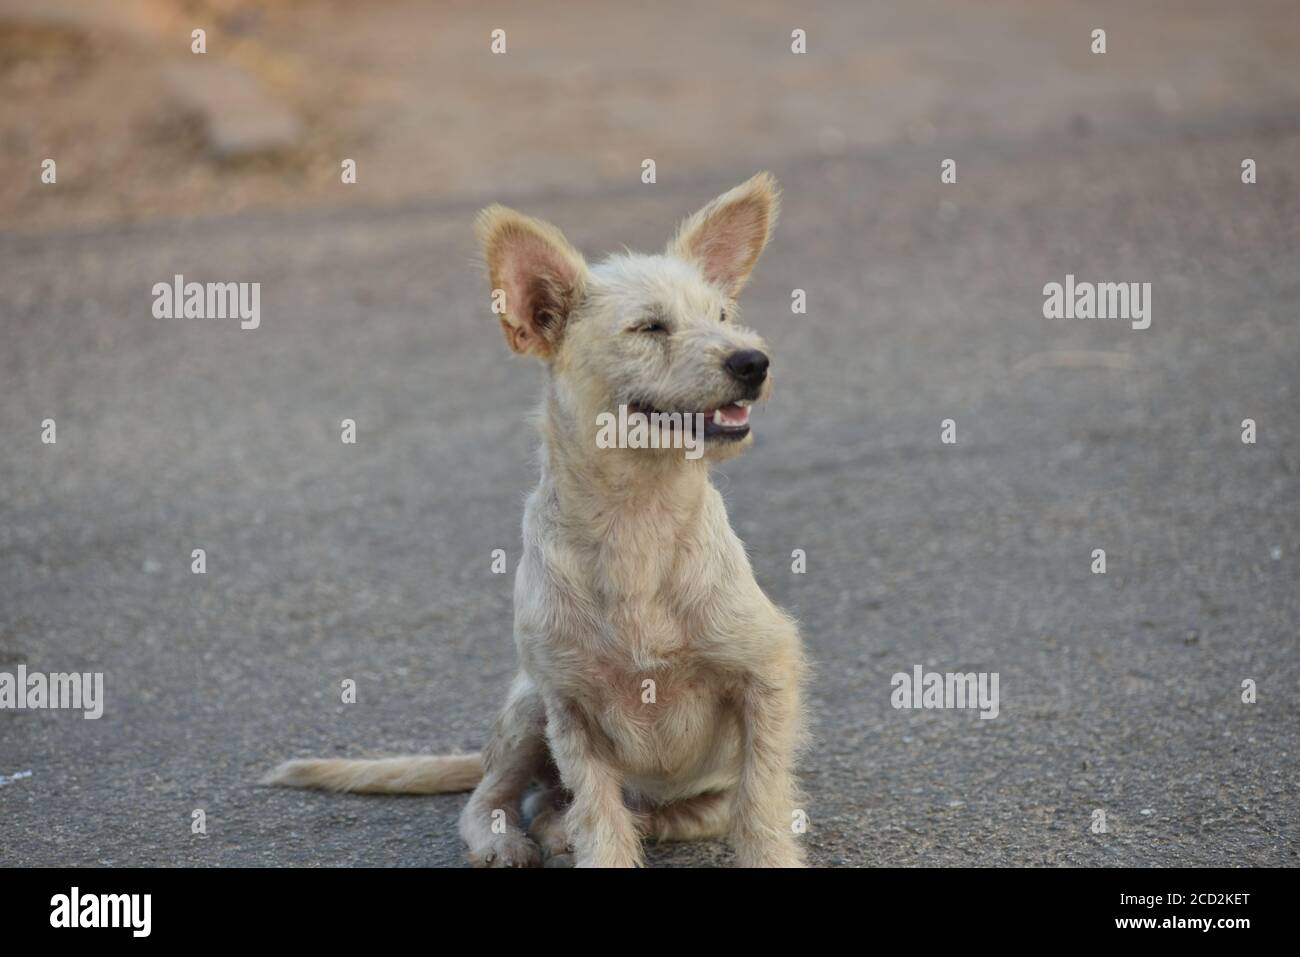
(372, 562)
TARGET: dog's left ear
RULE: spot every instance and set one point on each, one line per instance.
(727, 236)
(542, 276)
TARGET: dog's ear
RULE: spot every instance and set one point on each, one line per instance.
(542, 276)
(726, 237)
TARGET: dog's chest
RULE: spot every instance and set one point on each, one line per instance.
(628, 630)
(667, 720)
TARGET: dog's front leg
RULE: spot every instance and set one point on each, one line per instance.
(600, 826)
(766, 802)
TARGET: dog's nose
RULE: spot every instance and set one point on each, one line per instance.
(748, 366)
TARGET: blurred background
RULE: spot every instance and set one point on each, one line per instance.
(144, 128)
(326, 561)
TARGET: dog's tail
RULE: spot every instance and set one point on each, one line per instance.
(405, 775)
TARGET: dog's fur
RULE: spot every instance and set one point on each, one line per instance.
(630, 573)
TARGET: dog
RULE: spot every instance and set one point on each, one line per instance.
(658, 692)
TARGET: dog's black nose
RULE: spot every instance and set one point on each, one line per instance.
(748, 366)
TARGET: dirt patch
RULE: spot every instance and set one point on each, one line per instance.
(585, 91)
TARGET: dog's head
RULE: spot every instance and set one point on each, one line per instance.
(651, 333)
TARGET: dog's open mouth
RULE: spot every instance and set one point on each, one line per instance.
(726, 423)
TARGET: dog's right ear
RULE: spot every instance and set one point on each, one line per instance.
(542, 276)
(727, 236)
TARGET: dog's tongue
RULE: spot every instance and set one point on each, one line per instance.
(732, 415)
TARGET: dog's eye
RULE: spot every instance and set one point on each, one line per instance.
(652, 327)
(722, 316)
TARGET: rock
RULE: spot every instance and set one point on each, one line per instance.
(239, 118)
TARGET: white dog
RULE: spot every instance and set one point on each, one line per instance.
(658, 692)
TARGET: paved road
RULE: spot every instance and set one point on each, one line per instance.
(326, 561)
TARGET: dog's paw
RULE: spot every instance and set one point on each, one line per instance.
(511, 849)
(560, 860)
(779, 854)
(548, 830)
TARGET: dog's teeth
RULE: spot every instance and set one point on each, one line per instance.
(743, 403)
(718, 419)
